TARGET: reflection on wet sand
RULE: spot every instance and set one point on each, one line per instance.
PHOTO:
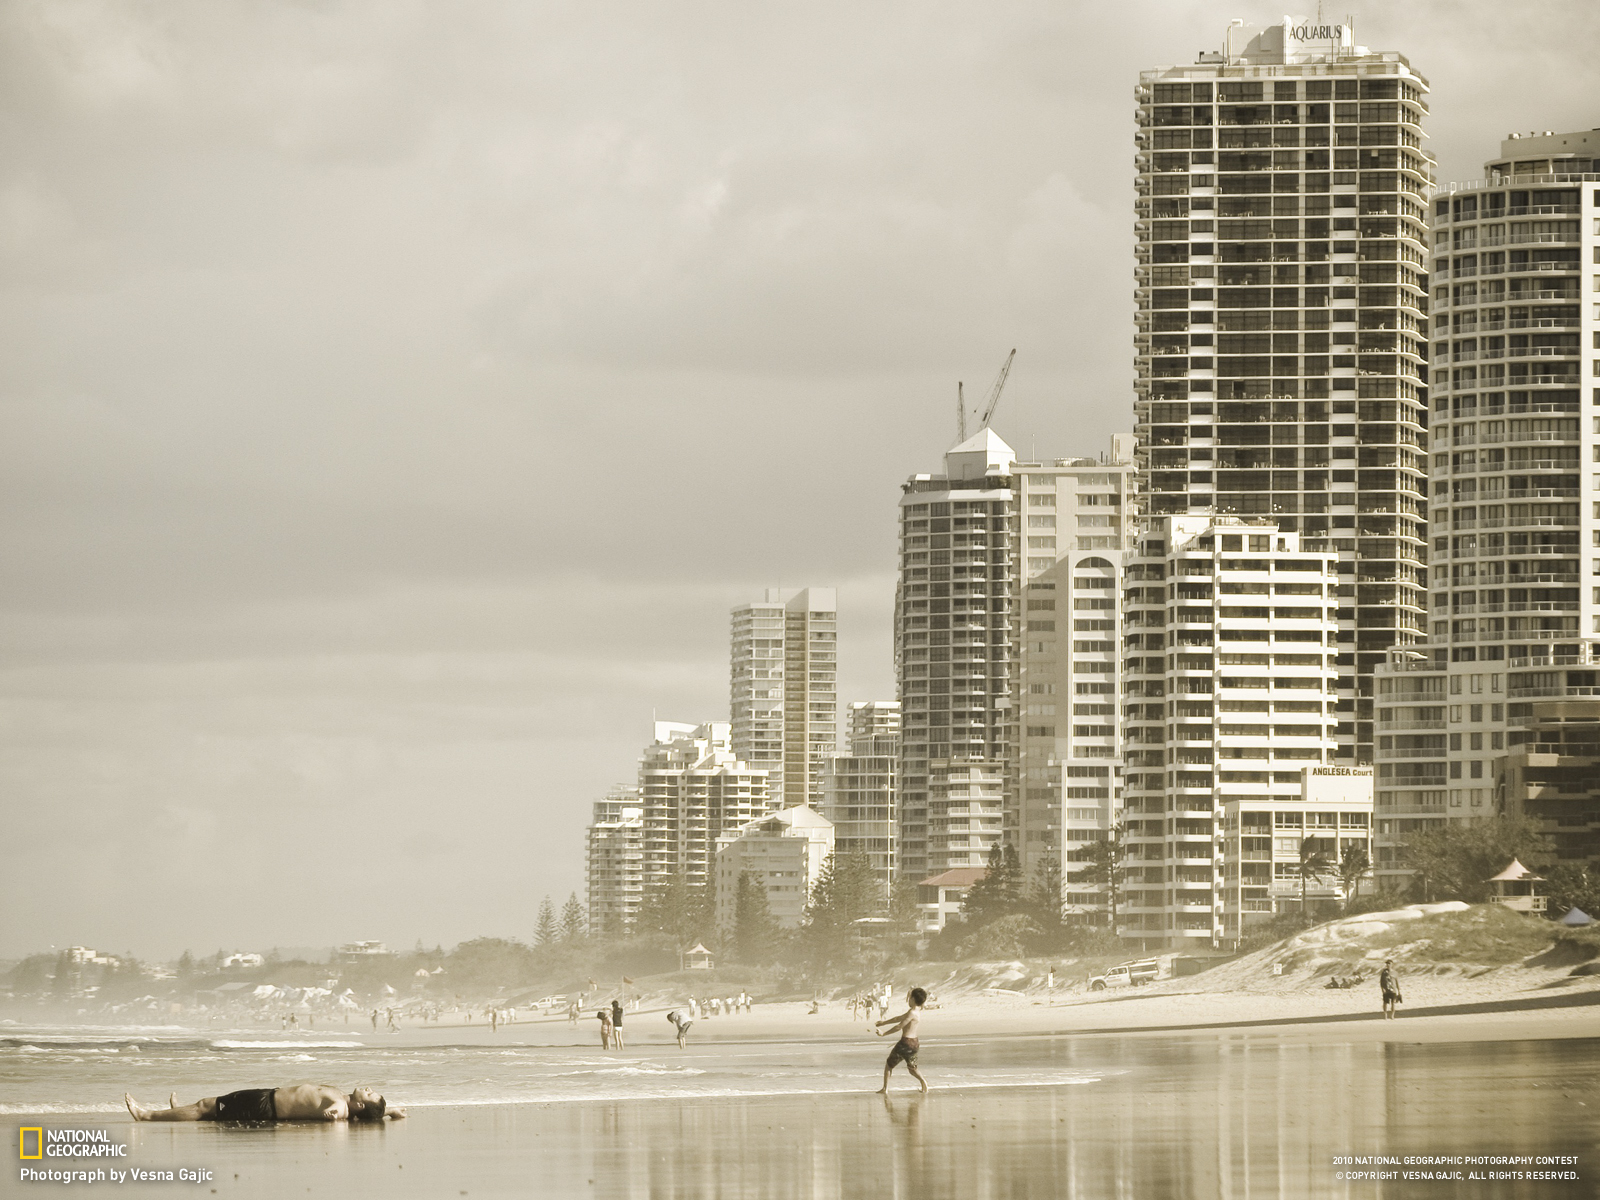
(1179, 1118)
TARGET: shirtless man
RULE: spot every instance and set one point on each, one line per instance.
(298, 1102)
(681, 1022)
(905, 1050)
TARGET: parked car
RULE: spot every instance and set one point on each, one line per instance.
(1130, 974)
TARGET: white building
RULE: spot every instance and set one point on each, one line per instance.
(1281, 352)
(692, 790)
(859, 789)
(1514, 624)
(955, 655)
(1263, 837)
(1076, 521)
(784, 852)
(941, 897)
(784, 690)
(615, 863)
(1229, 679)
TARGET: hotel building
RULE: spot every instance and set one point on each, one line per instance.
(1515, 615)
(784, 694)
(1281, 348)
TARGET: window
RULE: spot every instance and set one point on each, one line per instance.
(1042, 522)
(1042, 500)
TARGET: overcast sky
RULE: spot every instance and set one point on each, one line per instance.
(397, 396)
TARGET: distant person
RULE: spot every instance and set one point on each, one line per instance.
(494, 1020)
(394, 1027)
(374, 1020)
(299, 1102)
(572, 1013)
(905, 1050)
(1389, 985)
(616, 1023)
(681, 1022)
(605, 1027)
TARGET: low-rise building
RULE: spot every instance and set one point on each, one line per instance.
(784, 852)
(940, 897)
(1265, 839)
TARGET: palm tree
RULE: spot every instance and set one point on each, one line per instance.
(1354, 866)
(1314, 864)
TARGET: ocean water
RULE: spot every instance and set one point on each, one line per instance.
(1205, 1115)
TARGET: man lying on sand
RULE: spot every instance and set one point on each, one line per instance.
(905, 1050)
(298, 1102)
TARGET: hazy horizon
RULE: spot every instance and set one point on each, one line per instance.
(398, 399)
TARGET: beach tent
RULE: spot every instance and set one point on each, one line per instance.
(1576, 917)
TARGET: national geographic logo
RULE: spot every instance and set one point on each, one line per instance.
(37, 1143)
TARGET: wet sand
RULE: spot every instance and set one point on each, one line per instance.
(1203, 1115)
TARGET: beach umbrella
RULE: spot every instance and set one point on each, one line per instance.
(1576, 917)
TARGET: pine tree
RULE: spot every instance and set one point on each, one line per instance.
(186, 967)
(847, 889)
(544, 933)
(755, 931)
(1044, 896)
(673, 910)
(573, 923)
(999, 893)
(1104, 863)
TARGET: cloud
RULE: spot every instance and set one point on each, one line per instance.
(396, 397)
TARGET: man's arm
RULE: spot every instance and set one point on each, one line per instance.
(896, 1022)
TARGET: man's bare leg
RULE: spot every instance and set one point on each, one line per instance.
(198, 1111)
(917, 1075)
(884, 1090)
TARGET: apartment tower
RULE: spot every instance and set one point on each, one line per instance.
(1282, 188)
(692, 790)
(784, 691)
(614, 863)
(1230, 680)
(955, 658)
(1076, 517)
(860, 789)
(1510, 668)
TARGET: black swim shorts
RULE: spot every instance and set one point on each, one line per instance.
(253, 1104)
(905, 1051)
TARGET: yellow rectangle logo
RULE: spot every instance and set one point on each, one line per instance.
(38, 1142)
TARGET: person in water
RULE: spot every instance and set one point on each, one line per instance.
(298, 1102)
(905, 1050)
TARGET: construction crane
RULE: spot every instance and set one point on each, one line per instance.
(988, 410)
(994, 394)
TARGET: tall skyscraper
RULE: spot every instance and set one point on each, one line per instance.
(955, 657)
(784, 690)
(860, 788)
(1229, 677)
(1509, 668)
(692, 790)
(1075, 521)
(1281, 359)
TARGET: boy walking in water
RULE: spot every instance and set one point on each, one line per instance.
(1389, 985)
(905, 1050)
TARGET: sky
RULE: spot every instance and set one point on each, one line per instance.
(395, 398)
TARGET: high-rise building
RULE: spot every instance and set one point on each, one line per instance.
(1281, 363)
(693, 789)
(615, 863)
(955, 658)
(784, 691)
(1229, 677)
(1076, 519)
(784, 853)
(1511, 661)
(859, 789)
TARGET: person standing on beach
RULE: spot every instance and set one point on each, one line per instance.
(1389, 985)
(605, 1027)
(905, 1050)
(616, 1022)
